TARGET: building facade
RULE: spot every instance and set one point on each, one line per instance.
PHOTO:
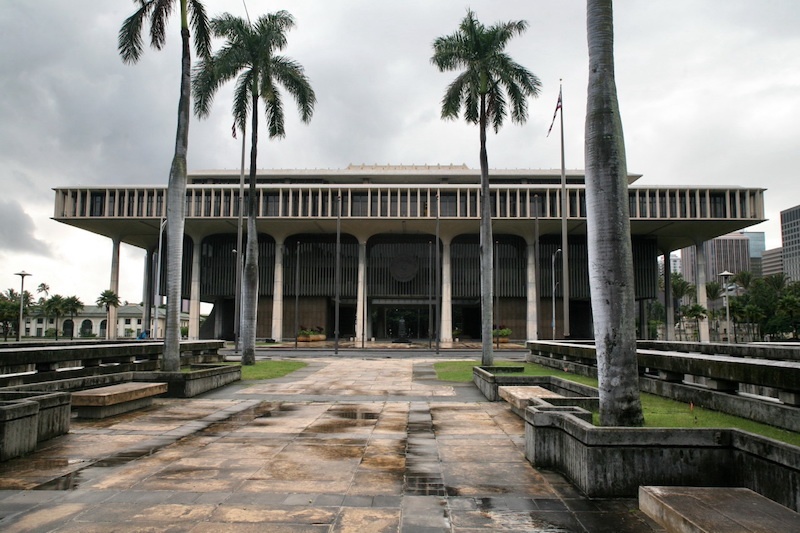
(790, 237)
(725, 253)
(406, 241)
(773, 262)
(92, 321)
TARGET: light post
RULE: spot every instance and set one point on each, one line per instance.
(725, 276)
(553, 270)
(157, 284)
(21, 275)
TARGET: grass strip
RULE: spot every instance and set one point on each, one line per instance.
(658, 411)
(270, 369)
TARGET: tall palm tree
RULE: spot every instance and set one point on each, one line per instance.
(108, 299)
(45, 288)
(714, 293)
(608, 230)
(681, 289)
(490, 85)
(72, 306)
(54, 307)
(249, 55)
(130, 46)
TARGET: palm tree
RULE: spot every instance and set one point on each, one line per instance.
(714, 293)
(72, 306)
(54, 307)
(130, 46)
(608, 230)
(108, 299)
(44, 288)
(490, 85)
(249, 54)
(743, 279)
(681, 289)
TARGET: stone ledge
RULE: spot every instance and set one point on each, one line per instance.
(115, 394)
(715, 509)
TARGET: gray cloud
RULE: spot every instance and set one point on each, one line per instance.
(17, 231)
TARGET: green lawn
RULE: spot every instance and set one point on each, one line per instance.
(658, 411)
(270, 369)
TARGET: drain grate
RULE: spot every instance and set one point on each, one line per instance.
(423, 475)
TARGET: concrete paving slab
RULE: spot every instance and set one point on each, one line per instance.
(346, 445)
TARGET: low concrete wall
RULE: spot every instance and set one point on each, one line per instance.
(54, 411)
(18, 428)
(200, 379)
(608, 462)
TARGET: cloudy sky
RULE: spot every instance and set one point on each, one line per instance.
(709, 93)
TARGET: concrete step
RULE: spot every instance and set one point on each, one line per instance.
(715, 510)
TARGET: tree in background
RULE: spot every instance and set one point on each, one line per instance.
(53, 307)
(108, 299)
(249, 54)
(72, 306)
(130, 46)
(490, 86)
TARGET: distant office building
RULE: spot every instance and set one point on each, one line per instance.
(729, 252)
(790, 235)
(758, 243)
(772, 262)
(674, 264)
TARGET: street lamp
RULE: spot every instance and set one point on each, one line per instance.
(553, 270)
(725, 276)
(21, 275)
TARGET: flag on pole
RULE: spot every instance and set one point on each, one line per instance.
(233, 129)
(555, 113)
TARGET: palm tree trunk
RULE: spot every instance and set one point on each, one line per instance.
(608, 230)
(486, 248)
(176, 202)
(250, 275)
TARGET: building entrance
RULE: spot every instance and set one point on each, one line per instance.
(393, 322)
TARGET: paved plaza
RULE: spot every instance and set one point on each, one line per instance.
(347, 444)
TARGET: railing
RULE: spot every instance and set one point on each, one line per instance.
(406, 201)
(751, 386)
(26, 365)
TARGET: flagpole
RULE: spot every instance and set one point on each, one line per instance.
(564, 239)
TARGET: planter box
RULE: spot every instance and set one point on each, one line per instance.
(199, 379)
(311, 338)
(54, 410)
(19, 428)
(612, 462)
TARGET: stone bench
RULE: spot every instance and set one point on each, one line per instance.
(521, 396)
(108, 401)
(715, 509)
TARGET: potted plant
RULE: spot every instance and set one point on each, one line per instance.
(501, 334)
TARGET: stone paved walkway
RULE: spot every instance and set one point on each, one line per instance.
(344, 445)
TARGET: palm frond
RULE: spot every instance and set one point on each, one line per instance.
(158, 22)
(200, 28)
(129, 40)
(291, 75)
(273, 108)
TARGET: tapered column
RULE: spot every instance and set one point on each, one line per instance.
(111, 325)
(532, 300)
(702, 299)
(361, 296)
(194, 292)
(669, 311)
(447, 294)
(277, 292)
(147, 290)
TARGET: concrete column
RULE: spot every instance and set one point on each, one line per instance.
(361, 294)
(277, 293)
(532, 311)
(669, 329)
(702, 300)
(111, 325)
(446, 334)
(194, 292)
(147, 290)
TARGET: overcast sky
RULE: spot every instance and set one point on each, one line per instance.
(709, 94)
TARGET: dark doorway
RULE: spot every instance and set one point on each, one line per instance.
(397, 322)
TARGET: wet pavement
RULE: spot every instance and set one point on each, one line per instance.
(347, 444)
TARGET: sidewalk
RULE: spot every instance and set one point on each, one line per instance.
(352, 444)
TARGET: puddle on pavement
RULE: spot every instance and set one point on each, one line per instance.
(354, 413)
